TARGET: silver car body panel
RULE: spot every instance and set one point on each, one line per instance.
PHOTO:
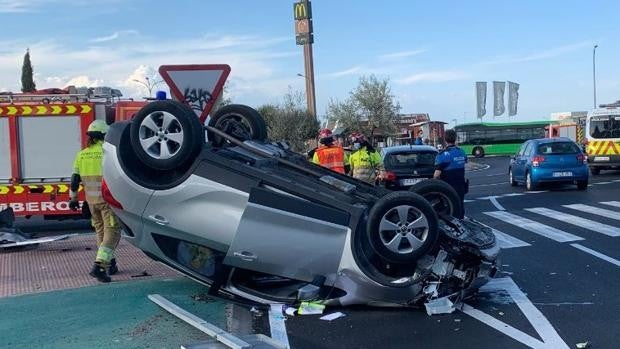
(282, 243)
(132, 196)
(198, 210)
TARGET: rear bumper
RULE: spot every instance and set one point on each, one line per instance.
(579, 173)
(604, 161)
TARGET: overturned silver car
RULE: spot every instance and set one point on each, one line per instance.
(258, 223)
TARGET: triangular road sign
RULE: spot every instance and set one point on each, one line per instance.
(197, 85)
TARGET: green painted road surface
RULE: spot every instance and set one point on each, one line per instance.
(116, 315)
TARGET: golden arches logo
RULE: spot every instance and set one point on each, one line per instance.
(301, 10)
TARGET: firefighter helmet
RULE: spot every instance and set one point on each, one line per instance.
(325, 133)
(98, 126)
(357, 137)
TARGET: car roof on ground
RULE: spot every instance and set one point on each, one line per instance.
(408, 148)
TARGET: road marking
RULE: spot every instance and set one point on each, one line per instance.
(597, 254)
(469, 200)
(513, 194)
(277, 325)
(506, 241)
(537, 191)
(578, 221)
(603, 183)
(487, 185)
(548, 334)
(611, 203)
(496, 204)
(595, 210)
(616, 180)
(535, 227)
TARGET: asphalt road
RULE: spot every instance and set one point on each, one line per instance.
(567, 296)
(557, 288)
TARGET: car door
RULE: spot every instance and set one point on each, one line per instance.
(288, 236)
(518, 168)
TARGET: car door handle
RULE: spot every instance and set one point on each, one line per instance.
(159, 219)
(246, 256)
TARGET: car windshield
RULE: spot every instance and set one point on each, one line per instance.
(557, 148)
(605, 127)
(409, 159)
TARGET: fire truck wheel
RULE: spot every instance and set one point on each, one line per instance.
(402, 227)
(442, 197)
(478, 152)
(240, 121)
(166, 135)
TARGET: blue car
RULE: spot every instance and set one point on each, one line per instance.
(549, 160)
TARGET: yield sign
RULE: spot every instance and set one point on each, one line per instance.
(197, 85)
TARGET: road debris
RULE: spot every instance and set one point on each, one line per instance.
(583, 345)
(439, 306)
(290, 311)
(309, 308)
(332, 316)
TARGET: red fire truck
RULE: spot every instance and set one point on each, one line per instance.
(40, 135)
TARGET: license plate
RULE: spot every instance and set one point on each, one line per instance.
(562, 174)
(601, 158)
(410, 181)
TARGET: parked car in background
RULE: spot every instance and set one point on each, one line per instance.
(406, 165)
(549, 160)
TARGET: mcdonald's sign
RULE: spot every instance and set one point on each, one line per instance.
(302, 10)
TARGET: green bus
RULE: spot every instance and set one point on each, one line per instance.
(497, 138)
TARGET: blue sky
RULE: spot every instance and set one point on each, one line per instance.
(432, 51)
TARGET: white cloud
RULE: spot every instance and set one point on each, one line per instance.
(403, 54)
(434, 76)
(115, 35)
(544, 54)
(351, 71)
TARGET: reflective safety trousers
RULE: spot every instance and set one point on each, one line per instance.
(330, 157)
(88, 165)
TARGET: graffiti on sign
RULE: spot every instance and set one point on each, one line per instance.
(197, 98)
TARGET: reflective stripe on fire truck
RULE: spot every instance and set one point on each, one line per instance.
(35, 189)
(49, 109)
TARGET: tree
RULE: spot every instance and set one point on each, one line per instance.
(290, 121)
(369, 107)
(28, 84)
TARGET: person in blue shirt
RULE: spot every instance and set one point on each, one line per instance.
(450, 166)
(419, 139)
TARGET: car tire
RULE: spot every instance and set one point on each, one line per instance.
(595, 171)
(529, 184)
(582, 185)
(478, 152)
(240, 121)
(442, 197)
(151, 135)
(511, 178)
(402, 227)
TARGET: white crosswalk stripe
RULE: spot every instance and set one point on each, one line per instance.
(575, 220)
(611, 203)
(506, 241)
(534, 227)
(595, 210)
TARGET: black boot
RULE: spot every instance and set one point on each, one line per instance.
(99, 272)
(113, 268)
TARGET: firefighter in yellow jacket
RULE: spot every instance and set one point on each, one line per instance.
(87, 169)
(365, 162)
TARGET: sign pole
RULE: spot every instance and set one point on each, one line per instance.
(302, 13)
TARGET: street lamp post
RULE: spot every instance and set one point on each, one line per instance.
(594, 72)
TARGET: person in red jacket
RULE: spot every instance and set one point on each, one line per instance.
(328, 154)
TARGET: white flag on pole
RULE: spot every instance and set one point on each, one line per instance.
(481, 98)
(498, 97)
(513, 98)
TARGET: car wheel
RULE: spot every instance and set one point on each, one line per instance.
(595, 171)
(529, 184)
(478, 152)
(442, 197)
(166, 135)
(511, 178)
(402, 227)
(240, 121)
(582, 185)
